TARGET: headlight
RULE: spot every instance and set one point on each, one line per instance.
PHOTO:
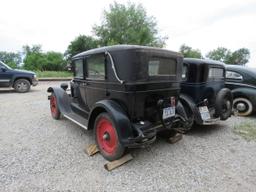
(34, 76)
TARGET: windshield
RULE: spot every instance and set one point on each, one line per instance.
(6, 66)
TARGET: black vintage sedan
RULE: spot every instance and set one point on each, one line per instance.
(125, 93)
(203, 94)
(242, 81)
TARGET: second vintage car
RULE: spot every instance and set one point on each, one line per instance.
(242, 81)
(125, 93)
(203, 94)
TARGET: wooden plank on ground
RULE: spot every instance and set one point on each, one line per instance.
(175, 138)
(114, 164)
(91, 150)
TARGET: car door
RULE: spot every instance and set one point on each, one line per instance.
(5, 76)
(96, 78)
(79, 84)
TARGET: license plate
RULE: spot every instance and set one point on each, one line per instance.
(168, 112)
(205, 115)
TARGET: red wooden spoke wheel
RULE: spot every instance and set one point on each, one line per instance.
(107, 138)
(54, 107)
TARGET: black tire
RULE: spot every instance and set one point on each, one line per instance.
(55, 112)
(107, 138)
(22, 85)
(223, 104)
(246, 109)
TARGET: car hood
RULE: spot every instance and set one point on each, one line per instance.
(24, 71)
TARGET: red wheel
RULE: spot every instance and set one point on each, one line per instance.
(107, 138)
(54, 107)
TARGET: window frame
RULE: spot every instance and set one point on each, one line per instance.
(184, 69)
(83, 68)
(159, 76)
(232, 78)
(216, 77)
(87, 67)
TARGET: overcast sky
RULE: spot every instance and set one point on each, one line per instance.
(201, 24)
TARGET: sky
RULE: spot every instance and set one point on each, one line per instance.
(201, 24)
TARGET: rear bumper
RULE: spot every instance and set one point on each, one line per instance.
(144, 135)
(211, 121)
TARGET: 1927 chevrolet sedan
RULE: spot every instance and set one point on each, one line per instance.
(125, 93)
(203, 94)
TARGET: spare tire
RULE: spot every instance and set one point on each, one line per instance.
(223, 104)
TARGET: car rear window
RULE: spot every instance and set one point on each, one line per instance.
(160, 66)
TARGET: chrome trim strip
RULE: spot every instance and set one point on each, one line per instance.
(74, 121)
(5, 80)
(113, 67)
(240, 84)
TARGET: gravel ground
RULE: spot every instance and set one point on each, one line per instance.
(38, 153)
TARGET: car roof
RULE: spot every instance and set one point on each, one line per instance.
(241, 68)
(203, 61)
(124, 47)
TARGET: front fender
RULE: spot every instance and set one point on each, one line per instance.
(118, 115)
(249, 93)
(63, 99)
(20, 76)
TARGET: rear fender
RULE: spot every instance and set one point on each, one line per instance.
(189, 102)
(118, 115)
(63, 99)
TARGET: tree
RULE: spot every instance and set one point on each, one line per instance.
(128, 24)
(189, 52)
(54, 62)
(80, 44)
(36, 60)
(34, 49)
(240, 56)
(220, 54)
(10, 58)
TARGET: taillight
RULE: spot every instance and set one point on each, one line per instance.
(173, 102)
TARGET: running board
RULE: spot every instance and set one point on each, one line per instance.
(76, 119)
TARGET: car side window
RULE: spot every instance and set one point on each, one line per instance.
(184, 72)
(79, 68)
(216, 73)
(233, 75)
(96, 67)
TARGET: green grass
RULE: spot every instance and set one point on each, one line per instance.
(246, 129)
(47, 74)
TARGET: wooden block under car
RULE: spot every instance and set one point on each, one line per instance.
(91, 150)
(114, 164)
(175, 138)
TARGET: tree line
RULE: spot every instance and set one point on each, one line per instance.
(121, 24)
